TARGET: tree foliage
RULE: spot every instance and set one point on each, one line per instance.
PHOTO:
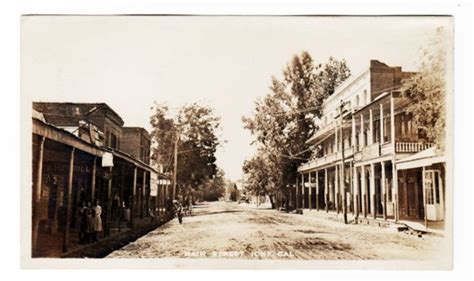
(284, 120)
(427, 90)
(195, 129)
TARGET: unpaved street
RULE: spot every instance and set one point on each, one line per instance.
(229, 230)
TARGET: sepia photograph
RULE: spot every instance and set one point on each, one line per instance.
(238, 141)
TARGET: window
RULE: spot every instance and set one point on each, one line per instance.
(365, 97)
(357, 101)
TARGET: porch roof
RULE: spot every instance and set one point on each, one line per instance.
(423, 158)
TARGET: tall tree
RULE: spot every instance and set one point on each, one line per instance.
(285, 118)
(427, 90)
(194, 128)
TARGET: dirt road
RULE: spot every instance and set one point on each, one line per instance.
(229, 230)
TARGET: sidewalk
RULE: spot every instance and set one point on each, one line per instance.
(401, 225)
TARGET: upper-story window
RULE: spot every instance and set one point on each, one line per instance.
(365, 97)
(76, 111)
(357, 101)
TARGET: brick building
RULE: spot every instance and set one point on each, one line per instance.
(82, 118)
(136, 141)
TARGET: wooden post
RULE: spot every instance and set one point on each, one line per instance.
(310, 191)
(326, 191)
(395, 191)
(371, 127)
(134, 190)
(120, 207)
(354, 145)
(392, 122)
(425, 217)
(317, 190)
(373, 206)
(381, 124)
(296, 193)
(109, 204)
(336, 188)
(144, 203)
(68, 201)
(93, 180)
(384, 190)
(356, 194)
(38, 181)
(364, 191)
(302, 191)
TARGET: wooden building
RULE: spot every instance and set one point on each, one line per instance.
(69, 171)
(364, 133)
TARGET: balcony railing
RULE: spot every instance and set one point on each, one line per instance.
(411, 147)
(348, 152)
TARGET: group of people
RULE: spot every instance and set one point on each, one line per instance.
(90, 222)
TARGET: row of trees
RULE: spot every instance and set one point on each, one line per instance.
(189, 137)
(285, 119)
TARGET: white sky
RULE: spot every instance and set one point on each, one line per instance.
(226, 62)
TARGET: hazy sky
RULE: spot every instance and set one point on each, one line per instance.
(225, 62)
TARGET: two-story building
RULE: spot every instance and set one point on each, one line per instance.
(136, 141)
(364, 135)
(79, 159)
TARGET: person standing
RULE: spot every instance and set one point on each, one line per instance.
(97, 221)
(89, 223)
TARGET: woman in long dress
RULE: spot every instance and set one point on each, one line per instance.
(97, 220)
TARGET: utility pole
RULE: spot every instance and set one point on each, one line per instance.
(343, 181)
(175, 166)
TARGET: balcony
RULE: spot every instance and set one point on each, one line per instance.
(411, 147)
(327, 159)
(368, 152)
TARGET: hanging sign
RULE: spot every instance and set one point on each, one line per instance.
(107, 159)
(153, 184)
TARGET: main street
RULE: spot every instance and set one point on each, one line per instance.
(230, 230)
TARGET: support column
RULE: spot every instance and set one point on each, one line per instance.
(372, 190)
(93, 180)
(296, 193)
(362, 129)
(317, 190)
(356, 193)
(302, 191)
(381, 125)
(396, 210)
(425, 217)
(38, 181)
(143, 203)
(120, 206)
(384, 190)
(371, 127)
(109, 204)
(310, 191)
(364, 191)
(336, 188)
(68, 201)
(326, 191)
(392, 121)
(134, 191)
(353, 135)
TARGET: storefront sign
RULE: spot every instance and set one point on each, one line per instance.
(107, 160)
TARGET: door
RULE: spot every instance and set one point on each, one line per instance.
(434, 195)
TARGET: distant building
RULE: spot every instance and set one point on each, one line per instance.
(136, 141)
